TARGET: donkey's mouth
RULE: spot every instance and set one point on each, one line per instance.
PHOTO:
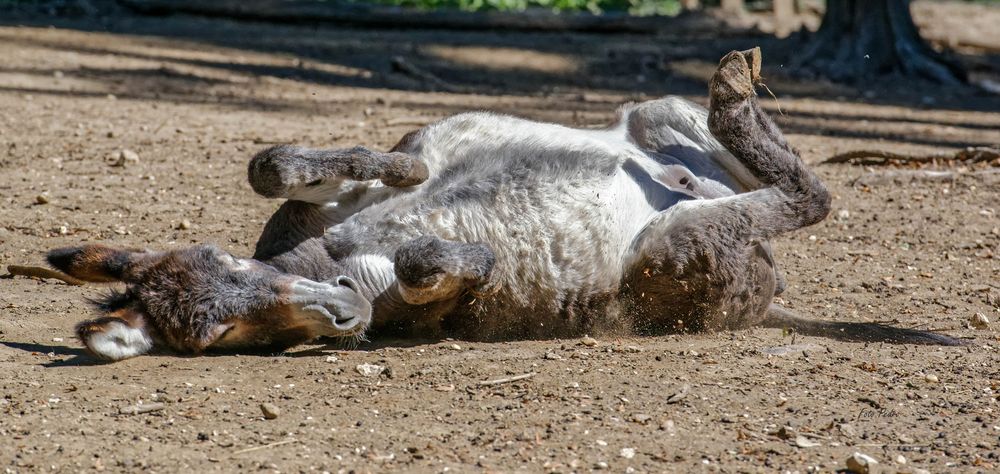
(336, 307)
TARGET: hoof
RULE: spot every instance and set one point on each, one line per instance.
(405, 170)
(736, 76)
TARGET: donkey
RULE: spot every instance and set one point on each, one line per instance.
(487, 227)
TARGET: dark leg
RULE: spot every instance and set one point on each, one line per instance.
(279, 170)
(738, 122)
(707, 260)
(431, 269)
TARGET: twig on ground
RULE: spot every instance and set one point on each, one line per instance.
(876, 178)
(515, 378)
(881, 157)
(140, 409)
(416, 121)
(42, 272)
(679, 395)
(265, 446)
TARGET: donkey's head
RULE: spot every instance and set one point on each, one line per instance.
(198, 297)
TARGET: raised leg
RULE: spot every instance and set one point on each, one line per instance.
(707, 259)
(736, 119)
(430, 269)
(290, 171)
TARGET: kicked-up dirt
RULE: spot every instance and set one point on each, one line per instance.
(193, 98)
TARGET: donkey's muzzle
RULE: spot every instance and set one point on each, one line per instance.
(336, 304)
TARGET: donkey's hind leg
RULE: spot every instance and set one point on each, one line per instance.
(712, 250)
(293, 172)
(430, 269)
(738, 122)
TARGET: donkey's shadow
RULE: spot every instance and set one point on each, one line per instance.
(77, 356)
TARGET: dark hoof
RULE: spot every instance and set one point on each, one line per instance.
(736, 76)
(405, 171)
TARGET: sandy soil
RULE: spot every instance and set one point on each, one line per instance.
(194, 98)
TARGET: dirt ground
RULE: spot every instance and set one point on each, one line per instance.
(194, 98)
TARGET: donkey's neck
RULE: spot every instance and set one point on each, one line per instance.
(306, 258)
(373, 273)
(296, 240)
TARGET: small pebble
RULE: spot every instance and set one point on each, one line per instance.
(42, 198)
(931, 378)
(369, 370)
(860, 463)
(641, 418)
(588, 341)
(552, 356)
(184, 225)
(979, 321)
(670, 427)
(843, 214)
(332, 358)
(900, 459)
(455, 347)
(57, 339)
(803, 442)
(627, 453)
(786, 432)
(270, 411)
(600, 465)
(125, 157)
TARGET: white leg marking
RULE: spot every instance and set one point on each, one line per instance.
(119, 341)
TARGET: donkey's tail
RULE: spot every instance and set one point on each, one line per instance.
(778, 317)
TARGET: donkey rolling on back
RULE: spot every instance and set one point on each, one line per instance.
(485, 226)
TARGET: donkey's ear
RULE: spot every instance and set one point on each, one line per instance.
(94, 263)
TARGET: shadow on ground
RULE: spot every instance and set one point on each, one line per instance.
(199, 60)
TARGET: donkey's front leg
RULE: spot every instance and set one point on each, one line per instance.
(430, 269)
(289, 171)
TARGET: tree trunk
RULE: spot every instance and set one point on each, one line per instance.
(784, 11)
(689, 5)
(732, 6)
(862, 39)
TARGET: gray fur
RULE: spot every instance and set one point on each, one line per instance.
(279, 170)
(486, 226)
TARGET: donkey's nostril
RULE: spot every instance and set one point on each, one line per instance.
(348, 282)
